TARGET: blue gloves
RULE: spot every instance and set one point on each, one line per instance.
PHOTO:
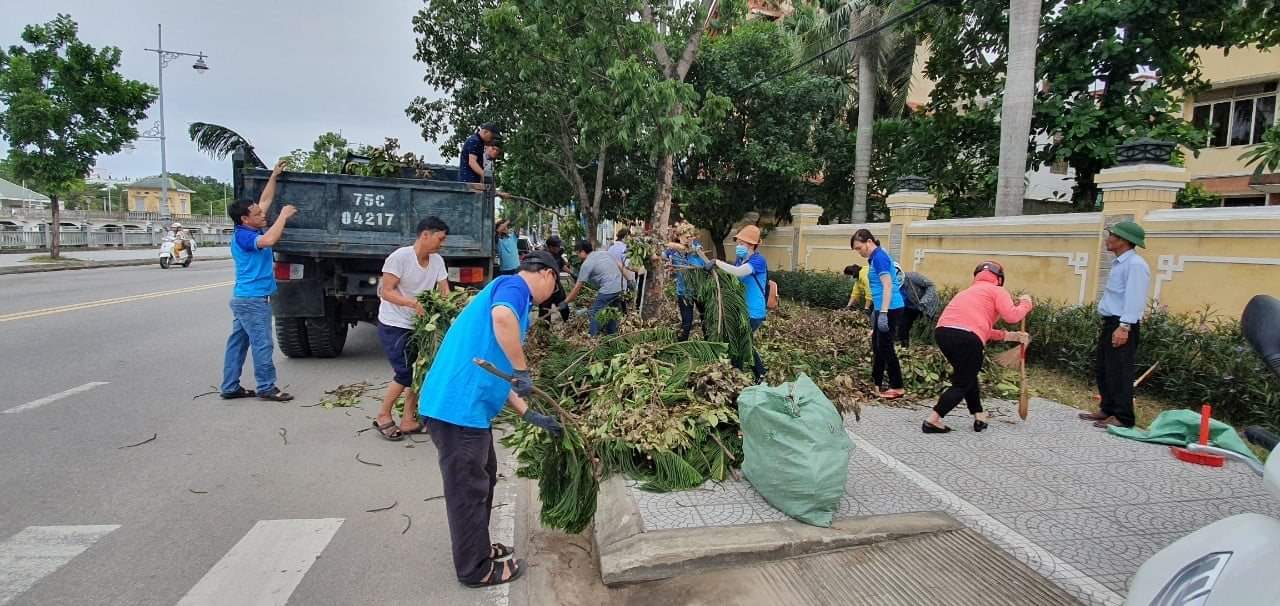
(882, 321)
(521, 383)
(548, 424)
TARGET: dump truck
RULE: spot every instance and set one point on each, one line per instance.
(328, 262)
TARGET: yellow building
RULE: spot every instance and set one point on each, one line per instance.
(1240, 106)
(144, 196)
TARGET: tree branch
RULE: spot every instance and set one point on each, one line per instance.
(659, 47)
(695, 39)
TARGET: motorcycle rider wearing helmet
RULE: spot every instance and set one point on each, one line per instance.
(963, 330)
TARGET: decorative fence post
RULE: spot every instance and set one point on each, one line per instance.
(803, 216)
(1141, 181)
(910, 202)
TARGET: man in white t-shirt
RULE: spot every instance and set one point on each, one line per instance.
(407, 272)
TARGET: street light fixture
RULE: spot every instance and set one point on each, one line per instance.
(163, 58)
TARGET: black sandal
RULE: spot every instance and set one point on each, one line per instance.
(240, 392)
(514, 567)
(929, 428)
(275, 396)
(979, 425)
(391, 436)
(498, 551)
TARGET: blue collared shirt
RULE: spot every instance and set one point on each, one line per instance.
(1126, 292)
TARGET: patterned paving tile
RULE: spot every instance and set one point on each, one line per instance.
(1108, 494)
(666, 519)
(1062, 525)
(732, 514)
(1109, 555)
(1157, 518)
(904, 501)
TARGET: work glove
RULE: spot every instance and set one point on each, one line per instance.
(521, 383)
(547, 423)
(882, 321)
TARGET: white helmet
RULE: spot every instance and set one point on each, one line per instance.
(176, 225)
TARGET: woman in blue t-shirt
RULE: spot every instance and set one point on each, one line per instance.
(683, 252)
(750, 267)
(886, 296)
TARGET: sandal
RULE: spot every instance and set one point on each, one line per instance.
(497, 551)
(927, 427)
(514, 569)
(275, 395)
(240, 392)
(391, 436)
(421, 429)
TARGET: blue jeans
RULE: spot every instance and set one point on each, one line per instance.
(600, 303)
(250, 328)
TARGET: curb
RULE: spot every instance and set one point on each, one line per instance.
(628, 554)
(35, 269)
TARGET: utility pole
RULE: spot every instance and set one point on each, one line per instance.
(163, 57)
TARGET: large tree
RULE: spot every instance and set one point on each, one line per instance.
(1017, 106)
(762, 154)
(64, 105)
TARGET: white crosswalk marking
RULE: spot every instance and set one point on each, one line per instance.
(266, 565)
(37, 551)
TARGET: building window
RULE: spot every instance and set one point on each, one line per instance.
(1244, 201)
(139, 204)
(1238, 115)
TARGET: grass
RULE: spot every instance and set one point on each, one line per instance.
(48, 259)
(1078, 392)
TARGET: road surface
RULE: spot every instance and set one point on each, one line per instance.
(217, 509)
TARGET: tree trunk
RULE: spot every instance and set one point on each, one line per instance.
(1015, 111)
(55, 228)
(1085, 195)
(593, 213)
(866, 124)
(662, 200)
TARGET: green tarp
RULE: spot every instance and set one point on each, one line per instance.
(1181, 427)
(795, 449)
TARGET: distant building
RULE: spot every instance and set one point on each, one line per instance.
(13, 195)
(144, 196)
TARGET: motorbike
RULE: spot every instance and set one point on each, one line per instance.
(1234, 560)
(176, 251)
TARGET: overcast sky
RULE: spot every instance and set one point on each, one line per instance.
(281, 71)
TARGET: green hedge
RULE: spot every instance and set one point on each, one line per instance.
(1203, 357)
(825, 289)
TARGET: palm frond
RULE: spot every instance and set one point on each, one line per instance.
(219, 141)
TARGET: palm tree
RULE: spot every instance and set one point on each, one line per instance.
(1015, 110)
(882, 64)
(1266, 154)
(218, 141)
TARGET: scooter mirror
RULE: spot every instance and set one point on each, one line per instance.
(1260, 324)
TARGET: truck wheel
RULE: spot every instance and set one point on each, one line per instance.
(291, 333)
(326, 335)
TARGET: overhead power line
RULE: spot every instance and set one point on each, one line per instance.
(871, 32)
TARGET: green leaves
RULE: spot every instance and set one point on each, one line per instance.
(1265, 154)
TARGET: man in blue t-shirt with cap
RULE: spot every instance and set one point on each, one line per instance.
(459, 401)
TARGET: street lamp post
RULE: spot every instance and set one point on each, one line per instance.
(163, 58)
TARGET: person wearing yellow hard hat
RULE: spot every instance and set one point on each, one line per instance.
(1122, 305)
(750, 267)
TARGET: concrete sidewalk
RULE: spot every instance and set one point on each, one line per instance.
(20, 259)
(1081, 507)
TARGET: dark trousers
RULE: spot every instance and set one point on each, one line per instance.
(909, 317)
(1115, 371)
(469, 471)
(758, 370)
(963, 350)
(686, 305)
(883, 355)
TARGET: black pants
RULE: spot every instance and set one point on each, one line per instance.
(1115, 371)
(963, 350)
(686, 306)
(883, 355)
(469, 471)
(758, 368)
(909, 317)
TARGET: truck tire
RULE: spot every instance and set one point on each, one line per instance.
(326, 335)
(291, 333)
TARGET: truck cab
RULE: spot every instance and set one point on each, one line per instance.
(328, 263)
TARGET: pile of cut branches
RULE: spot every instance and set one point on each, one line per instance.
(430, 327)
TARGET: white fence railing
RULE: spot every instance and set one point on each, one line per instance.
(37, 214)
(38, 240)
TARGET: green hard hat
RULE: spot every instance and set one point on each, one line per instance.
(1131, 232)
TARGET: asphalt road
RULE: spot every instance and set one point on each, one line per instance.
(217, 507)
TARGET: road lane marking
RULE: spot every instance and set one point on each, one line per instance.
(38, 551)
(48, 311)
(266, 565)
(55, 397)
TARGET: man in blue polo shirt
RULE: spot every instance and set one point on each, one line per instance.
(471, 161)
(459, 401)
(250, 300)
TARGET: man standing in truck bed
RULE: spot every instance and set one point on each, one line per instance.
(471, 161)
(250, 300)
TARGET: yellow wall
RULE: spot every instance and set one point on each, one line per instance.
(179, 201)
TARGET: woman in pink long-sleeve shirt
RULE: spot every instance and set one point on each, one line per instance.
(963, 330)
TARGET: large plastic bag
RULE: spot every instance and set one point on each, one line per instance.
(796, 452)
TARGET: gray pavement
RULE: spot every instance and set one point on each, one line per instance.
(18, 259)
(192, 510)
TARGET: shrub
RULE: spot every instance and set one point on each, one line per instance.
(825, 289)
